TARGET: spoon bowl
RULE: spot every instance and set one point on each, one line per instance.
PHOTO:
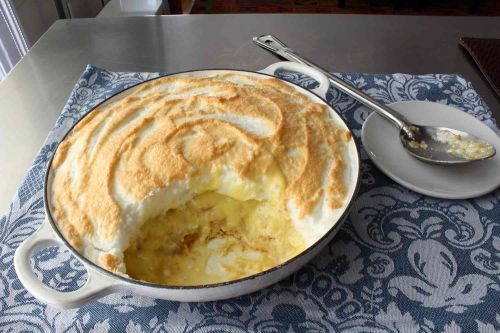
(442, 145)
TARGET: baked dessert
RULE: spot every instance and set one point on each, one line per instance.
(199, 180)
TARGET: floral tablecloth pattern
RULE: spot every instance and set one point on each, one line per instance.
(402, 262)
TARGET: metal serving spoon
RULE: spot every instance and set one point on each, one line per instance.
(439, 145)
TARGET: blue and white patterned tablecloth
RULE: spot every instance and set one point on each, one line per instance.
(403, 262)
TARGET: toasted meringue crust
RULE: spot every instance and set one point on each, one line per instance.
(173, 131)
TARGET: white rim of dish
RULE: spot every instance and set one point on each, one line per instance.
(349, 203)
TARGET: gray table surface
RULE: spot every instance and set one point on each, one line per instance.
(34, 93)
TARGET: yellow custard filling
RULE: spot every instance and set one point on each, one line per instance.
(213, 238)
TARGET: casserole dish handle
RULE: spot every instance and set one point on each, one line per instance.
(323, 81)
(97, 284)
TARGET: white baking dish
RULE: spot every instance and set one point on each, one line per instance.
(101, 282)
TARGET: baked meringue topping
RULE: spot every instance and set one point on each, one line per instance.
(198, 180)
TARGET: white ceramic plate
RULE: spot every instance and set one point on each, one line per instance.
(381, 141)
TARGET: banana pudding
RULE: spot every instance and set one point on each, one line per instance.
(199, 180)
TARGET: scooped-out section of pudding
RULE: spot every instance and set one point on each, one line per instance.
(213, 238)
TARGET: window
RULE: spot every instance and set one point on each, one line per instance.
(13, 44)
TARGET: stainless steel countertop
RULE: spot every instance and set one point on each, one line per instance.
(34, 93)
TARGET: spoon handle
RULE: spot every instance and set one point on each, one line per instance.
(274, 45)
